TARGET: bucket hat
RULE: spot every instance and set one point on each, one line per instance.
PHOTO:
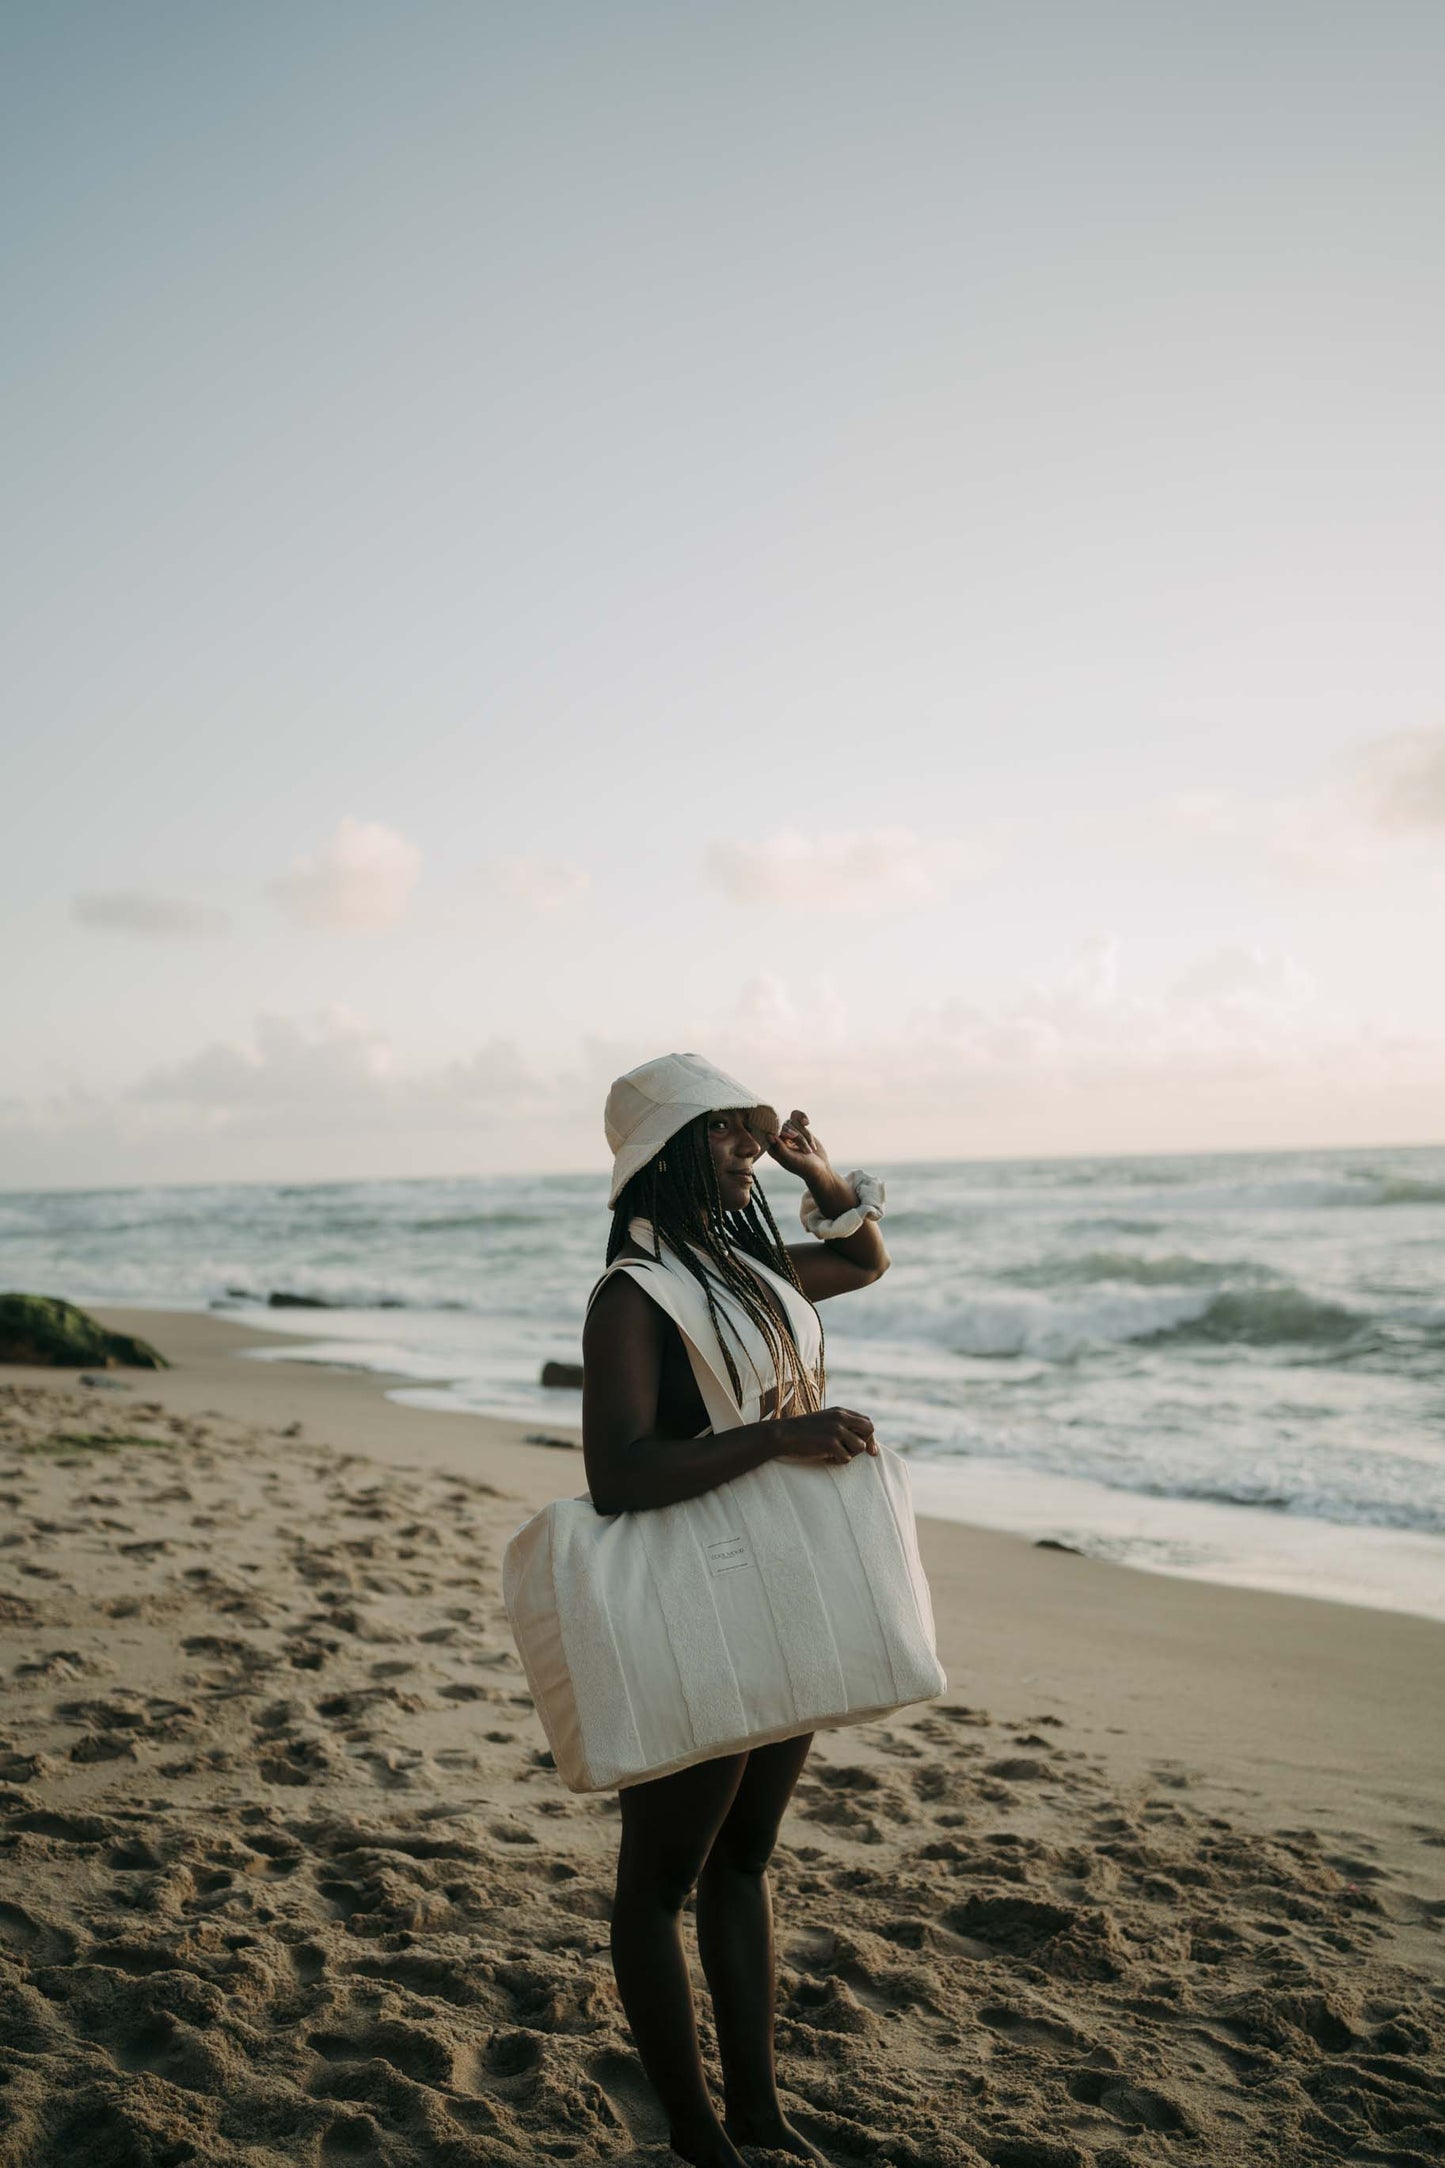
(648, 1105)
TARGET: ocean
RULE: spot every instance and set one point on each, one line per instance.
(1229, 1366)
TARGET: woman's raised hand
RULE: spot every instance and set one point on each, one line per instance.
(797, 1148)
(834, 1435)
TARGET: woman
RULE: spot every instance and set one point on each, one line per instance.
(686, 1140)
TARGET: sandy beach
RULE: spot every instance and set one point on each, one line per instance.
(288, 1877)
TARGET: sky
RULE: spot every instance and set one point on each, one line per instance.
(898, 547)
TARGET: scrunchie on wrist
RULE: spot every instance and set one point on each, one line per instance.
(867, 1188)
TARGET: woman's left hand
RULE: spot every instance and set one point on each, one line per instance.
(832, 1266)
(796, 1148)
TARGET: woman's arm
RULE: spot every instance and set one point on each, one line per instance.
(629, 1467)
(827, 1268)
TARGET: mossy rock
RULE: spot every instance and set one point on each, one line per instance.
(43, 1329)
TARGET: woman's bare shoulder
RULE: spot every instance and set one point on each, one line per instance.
(621, 1303)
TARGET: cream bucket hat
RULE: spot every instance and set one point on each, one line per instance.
(651, 1104)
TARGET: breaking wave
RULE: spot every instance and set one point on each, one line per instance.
(1270, 1317)
(1395, 1189)
(1123, 1267)
(1113, 1312)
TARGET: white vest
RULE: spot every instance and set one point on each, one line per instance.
(673, 1288)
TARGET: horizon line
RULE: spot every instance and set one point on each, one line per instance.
(567, 1174)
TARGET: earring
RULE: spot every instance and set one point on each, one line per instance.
(662, 1164)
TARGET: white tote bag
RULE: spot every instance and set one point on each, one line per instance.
(790, 1599)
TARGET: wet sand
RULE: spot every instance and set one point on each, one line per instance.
(286, 1875)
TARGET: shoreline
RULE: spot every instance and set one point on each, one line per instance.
(1225, 1543)
(1262, 1690)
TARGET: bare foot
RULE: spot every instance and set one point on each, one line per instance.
(711, 2148)
(776, 2135)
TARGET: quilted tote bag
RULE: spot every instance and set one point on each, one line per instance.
(788, 1600)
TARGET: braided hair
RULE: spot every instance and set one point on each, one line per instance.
(677, 1191)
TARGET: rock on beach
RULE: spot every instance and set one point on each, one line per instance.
(43, 1329)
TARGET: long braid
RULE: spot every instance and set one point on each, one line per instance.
(677, 1191)
(756, 1231)
(759, 1226)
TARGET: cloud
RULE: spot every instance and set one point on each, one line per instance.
(887, 867)
(311, 1098)
(334, 1058)
(768, 1012)
(1093, 971)
(1091, 1020)
(1310, 836)
(334, 1071)
(1354, 822)
(1244, 973)
(154, 917)
(537, 884)
(1402, 780)
(359, 883)
(1238, 1051)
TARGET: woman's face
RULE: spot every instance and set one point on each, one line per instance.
(735, 1153)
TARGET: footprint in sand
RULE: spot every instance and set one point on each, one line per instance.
(296, 1762)
(417, 2051)
(622, 2079)
(900, 1749)
(1140, 2107)
(837, 1792)
(513, 2057)
(352, 2141)
(20, 1768)
(25, 1935)
(1027, 2027)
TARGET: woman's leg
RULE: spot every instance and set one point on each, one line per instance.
(735, 1943)
(668, 1827)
